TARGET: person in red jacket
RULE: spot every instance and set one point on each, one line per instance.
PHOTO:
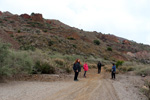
(85, 66)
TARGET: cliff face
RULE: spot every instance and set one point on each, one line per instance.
(33, 31)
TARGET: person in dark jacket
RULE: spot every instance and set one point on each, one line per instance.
(77, 69)
(113, 71)
(99, 67)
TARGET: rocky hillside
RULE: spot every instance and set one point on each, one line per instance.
(28, 32)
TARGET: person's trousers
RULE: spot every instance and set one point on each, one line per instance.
(84, 73)
(99, 70)
(113, 75)
(76, 75)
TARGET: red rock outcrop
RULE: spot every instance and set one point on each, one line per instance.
(1, 13)
(48, 21)
(126, 42)
(110, 38)
(26, 16)
(37, 17)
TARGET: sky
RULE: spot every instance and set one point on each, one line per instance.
(129, 19)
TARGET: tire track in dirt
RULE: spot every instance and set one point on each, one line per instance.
(95, 87)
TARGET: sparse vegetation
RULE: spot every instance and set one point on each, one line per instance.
(146, 89)
(143, 70)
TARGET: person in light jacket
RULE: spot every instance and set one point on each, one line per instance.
(77, 69)
(85, 66)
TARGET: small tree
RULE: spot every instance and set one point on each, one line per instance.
(119, 63)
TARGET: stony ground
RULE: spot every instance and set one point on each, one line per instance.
(94, 87)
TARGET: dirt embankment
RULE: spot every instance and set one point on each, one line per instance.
(94, 87)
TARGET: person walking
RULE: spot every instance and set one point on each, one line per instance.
(113, 71)
(99, 67)
(85, 66)
(77, 69)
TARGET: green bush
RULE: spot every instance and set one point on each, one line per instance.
(50, 43)
(28, 47)
(71, 38)
(74, 46)
(119, 63)
(43, 68)
(96, 42)
(4, 54)
(45, 31)
(14, 62)
(19, 31)
(21, 62)
(109, 49)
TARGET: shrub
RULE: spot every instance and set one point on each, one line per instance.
(143, 71)
(130, 68)
(19, 31)
(92, 65)
(21, 62)
(43, 68)
(12, 62)
(74, 46)
(4, 53)
(146, 89)
(50, 43)
(68, 70)
(119, 63)
(28, 47)
(45, 31)
(59, 61)
(108, 68)
(96, 42)
(109, 49)
(71, 38)
(126, 68)
(11, 21)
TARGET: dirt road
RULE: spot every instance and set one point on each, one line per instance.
(94, 87)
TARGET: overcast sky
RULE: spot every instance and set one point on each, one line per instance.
(125, 18)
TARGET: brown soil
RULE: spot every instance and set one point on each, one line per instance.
(94, 87)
